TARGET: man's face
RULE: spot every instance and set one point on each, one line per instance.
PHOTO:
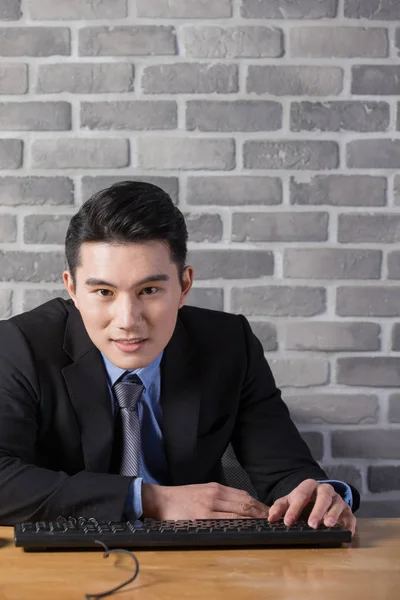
(128, 296)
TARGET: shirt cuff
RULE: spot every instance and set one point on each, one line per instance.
(341, 488)
(133, 505)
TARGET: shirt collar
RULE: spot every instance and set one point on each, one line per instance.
(146, 374)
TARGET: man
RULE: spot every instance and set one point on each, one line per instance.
(120, 402)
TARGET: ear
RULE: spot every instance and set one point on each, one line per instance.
(187, 282)
(69, 284)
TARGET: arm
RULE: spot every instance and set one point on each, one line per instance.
(27, 491)
(265, 440)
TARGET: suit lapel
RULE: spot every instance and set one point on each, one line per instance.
(86, 381)
(180, 402)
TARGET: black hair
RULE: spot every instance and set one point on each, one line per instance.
(127, 213)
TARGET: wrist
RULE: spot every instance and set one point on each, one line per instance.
(152, 500)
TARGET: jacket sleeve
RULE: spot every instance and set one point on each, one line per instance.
(266, 441)
(27, 491)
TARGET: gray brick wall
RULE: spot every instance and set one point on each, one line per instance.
(274, 125)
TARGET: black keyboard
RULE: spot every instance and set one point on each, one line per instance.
(83, 533)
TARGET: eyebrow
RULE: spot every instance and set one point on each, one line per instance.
(94, 282)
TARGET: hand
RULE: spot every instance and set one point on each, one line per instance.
(329, 506)
(199, 501)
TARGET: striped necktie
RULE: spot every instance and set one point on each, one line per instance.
(128, 393)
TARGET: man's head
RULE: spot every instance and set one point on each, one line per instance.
(127, 273)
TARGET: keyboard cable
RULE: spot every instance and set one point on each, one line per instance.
(106, 554)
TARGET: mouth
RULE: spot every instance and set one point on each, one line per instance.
(129, 344)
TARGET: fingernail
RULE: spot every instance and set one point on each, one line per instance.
(313, 523)
(330, 522)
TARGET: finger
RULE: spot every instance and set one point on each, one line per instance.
(278, 509)
(337, 509)
(244, 509)
(348, 520)
(227, 515)
(298, 499)
(325, 495)
(229, 494)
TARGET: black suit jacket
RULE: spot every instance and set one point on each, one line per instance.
(56, 423)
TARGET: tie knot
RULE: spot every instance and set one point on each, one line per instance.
(128, 391)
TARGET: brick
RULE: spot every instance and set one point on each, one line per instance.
(394, 408)
(375, 79)
(80, 153)
(127, 41)
(6, 297)
(8, 228)
(279, 301)
(190, 78)
(77, 9)
(379, 509)
(368, 371)
(367, 443)
(45, 229)
(315, 442)
(280, 227)
(346, 473)
(231, 264)
(10, 154)
(372, 9)
(332, 337)
(204, 228)
(182, 9)
(212, 298)
(339, 116)
(129, 115)
(338, 190)
(383, 478)
(239, 115)
(396, 336)
(10, 9)
(234, 190)
(374, 154)
(85, 78)
(287, 9)
(333, 409)
(299, 372)
(332, 263)
(339, 42)
(16, 191)
(398, 117)
(34, 298)
(35, 116)
(396, 191)
(186, 153)
(232, 42)
(377, 228)
(294, 80)
(363, 301)
(393, 265)
(91, 185)
(34, 41)
(290, 155)
(13, 78)
(266, 333)
(32, 267)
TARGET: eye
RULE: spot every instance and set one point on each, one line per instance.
(104, 293)
(148, 291)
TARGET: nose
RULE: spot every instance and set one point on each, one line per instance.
(127, 313)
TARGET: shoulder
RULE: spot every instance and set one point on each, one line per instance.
(219, 328)
(194, 317)
(42, 326)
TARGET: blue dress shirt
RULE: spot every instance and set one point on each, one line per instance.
(153, 462)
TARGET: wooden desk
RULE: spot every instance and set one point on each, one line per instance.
(369, 569)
